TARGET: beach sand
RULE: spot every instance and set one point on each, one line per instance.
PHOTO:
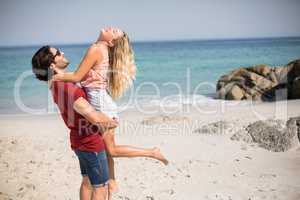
(36, 161)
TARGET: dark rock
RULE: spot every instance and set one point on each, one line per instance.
(261, 82)
(262, 70)
(295, 121)
(236, 93)
(219, 127)
(273, 135)
(164, 119)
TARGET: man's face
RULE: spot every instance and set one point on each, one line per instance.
(60, 61)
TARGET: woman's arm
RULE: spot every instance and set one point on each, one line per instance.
(86, 64)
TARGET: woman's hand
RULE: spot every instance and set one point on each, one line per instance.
(58, 77)
(58, 71)
(58, 74)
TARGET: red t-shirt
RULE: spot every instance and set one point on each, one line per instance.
(83, 135)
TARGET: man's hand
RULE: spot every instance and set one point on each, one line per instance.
(106, 126)
(83, 107)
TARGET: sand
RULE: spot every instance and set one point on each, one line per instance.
(36, 161)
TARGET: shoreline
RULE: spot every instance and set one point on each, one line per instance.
(210, 101)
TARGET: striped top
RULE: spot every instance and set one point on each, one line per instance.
(97, 77)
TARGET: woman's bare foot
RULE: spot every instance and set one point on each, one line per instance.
(158, 155)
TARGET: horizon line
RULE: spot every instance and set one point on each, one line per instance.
(155, 40)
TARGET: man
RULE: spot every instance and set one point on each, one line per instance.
(85, 124)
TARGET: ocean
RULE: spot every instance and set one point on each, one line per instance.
(169, 73)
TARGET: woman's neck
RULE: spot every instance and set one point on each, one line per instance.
(101, 42)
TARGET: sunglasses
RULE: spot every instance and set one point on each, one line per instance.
(58, 53)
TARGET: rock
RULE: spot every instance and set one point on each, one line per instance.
(226, 78)
(261, 82)
(164, 119)
(220, 127)
(273, 135)
(295, 88)
(268, 134)
(220, 84)
(236, 93)
(242, 135)
(257, 97)
(224, 90)
(263, 70)
(294, 67)
(294, 122)
(238, 79)
(281, 74)
(273, 77)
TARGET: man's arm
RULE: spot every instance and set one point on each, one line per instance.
(83, 107)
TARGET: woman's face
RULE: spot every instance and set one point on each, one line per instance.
(109, 34)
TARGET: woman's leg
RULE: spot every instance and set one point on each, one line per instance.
(112, 185)
(114, 150)
(130, 151)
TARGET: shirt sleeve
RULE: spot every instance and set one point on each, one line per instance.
(74, 92)
(78, 93)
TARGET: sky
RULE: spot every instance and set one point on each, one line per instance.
(36, 22)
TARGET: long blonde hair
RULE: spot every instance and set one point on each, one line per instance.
(123, 68)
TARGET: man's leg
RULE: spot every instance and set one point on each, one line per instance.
(85, 192)
(99, 193)
(85, 189)
(94, 170)
(98, 174)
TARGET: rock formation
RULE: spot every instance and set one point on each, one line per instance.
(261, 82)
(273, 135)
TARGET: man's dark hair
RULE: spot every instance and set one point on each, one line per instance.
(41, 62)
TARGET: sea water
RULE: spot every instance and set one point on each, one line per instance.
(168, 72)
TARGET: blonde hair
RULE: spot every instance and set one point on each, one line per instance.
(122, 67)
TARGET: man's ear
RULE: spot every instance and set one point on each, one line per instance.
(56, 70)
(52, 66)
(110, 43)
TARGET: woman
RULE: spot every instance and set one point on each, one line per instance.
(106, 72)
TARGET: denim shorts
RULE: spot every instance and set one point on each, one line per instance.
(95, 166)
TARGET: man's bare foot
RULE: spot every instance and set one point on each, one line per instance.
(112, 186)
(158, 155)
